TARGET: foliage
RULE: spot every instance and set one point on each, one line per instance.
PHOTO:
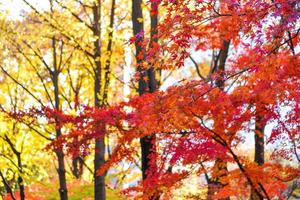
(198, 122)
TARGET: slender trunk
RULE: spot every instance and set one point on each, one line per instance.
(63, 191)
(99, 184)
(20, 179)
(259, 150)
(21, 187)
(146, 150)
(214, 184)
(20, 166)
(221, 61)
(7, 186)
(220, 166)
(259, 157)
(77, 162)
(99, 180)
(147, 143)
(99, 159)
(109, 51)
(77, 167)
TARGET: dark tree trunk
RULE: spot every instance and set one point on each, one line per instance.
(100, 193)
(20, 168)
(7, 186)
(99, 183)
(99, 180)
(220, 64)
(146, 150)
(259, 150)
(214, 185)
(20, 179)
(147, 143)
(63, 191)
(77, 167)
(109, 50)
(259, 157)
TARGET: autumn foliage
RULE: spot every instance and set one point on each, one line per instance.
(197, 122)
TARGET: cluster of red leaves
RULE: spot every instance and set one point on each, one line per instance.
(197, 123)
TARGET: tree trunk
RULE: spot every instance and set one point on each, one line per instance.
(109, 51)
(20, 179)
(100, 193)
(7, 186)
(220, 166)
(99, 180)
(20, 168)
(259, 151)
(77, 167)
(259, 157)
(99, 159)
(219, 67)
(147, 143)
(63, 191)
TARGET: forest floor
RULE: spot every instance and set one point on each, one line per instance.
(76, 191)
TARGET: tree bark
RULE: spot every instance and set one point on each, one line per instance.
(259, 150)
(77, 167)
(214, 185)
(99, 180)
(109, 51)
(147, 80)
(63, 191)
(99, 184)
(20, 167)
(7, 186)
(259, 157)
(20, 179)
